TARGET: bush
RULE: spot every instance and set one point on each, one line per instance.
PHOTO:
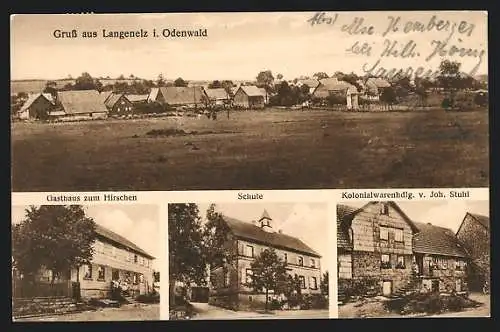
(430, 303)
(275, 304)
(359, 287)
(149, 298)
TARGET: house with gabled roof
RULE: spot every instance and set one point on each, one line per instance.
(380, 243)
(175, 96)
(115, 258)
(330, 87)
(245, 242)
(250, 97)
(37, 106)
(218, 96)
(80, 104)
(118, 104)
(474, 234)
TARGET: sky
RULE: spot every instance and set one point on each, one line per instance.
(238, 45)
(306, 221)
(138, 223)
(447, 214)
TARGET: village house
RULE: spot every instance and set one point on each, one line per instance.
(137, 99)
(245, 242)
(218, 97)
(310, 82)
(250, 96)
(80, 105)
(332, 86)
(474, 234)
(115, 259)
(37, 106)
(190, 97)
(373, 88)
(379, 242)
(118, 104)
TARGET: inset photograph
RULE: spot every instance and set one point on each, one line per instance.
(85, 263)
(413, 259)
(248, 261)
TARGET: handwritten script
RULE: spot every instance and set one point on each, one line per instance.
(393, 30)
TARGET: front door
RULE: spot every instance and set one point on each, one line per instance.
(387, 288)
(458, 285)
(435, 285)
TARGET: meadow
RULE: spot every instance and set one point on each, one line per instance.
(270, 149)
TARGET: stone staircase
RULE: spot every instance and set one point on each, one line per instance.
(40, 306)
(341, 297)
(411, 286)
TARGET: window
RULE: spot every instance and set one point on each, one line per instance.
(300, 261)
(386, 261)
(313, 283)
(385, 209)
(115, 275)
(285, 257)
(248, 276)
(400, 262)
(100, 273)
(87, 272)
(384, 233)
(313, 263)
(135, 279)
(398, 235)
(249, 251)
(302, 282)
(135, 258)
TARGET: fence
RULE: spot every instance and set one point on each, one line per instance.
(28, 289)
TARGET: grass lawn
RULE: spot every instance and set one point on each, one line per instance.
(269, 149)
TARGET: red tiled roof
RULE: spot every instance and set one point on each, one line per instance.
(110, 235)
(183, 95)
(254, 233)
(437, 240)
(82, 101)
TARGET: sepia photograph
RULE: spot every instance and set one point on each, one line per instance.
(413, 259)
(85, 263)
(248, 261)
(270, 100)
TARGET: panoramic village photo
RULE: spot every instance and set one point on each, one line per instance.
(392, 265)
(85, 263)
(300, 100)
(248, 261)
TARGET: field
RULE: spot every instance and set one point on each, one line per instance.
(255, 150)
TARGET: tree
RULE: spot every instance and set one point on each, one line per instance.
(87, 82)
(388, 96)
(324, 283)
(279, 76)
(215, 233)
(186, 250)
(268, 273)
(215, 85)
(121, 77)
(265, 79)
(55, 237)
(51, 87)
(160, 81)
(449, 79)
(180, 82)
(320, 75)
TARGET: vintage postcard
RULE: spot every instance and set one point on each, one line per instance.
(248, 261)
(413, 259)
(85, 263)
(213, 101)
